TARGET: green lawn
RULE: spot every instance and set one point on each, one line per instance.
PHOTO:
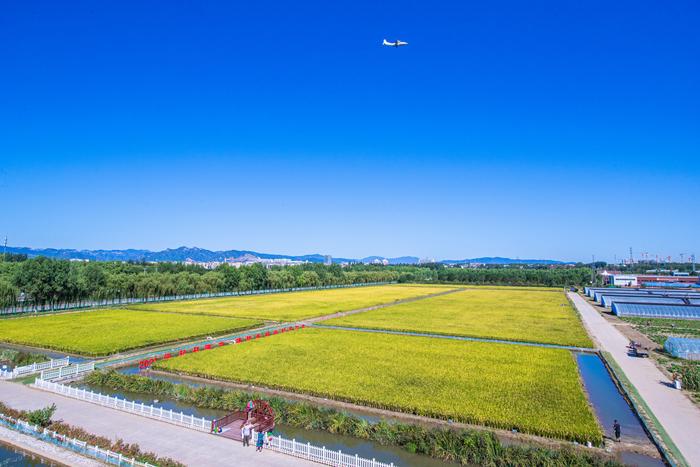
(509, 314)
(296, 305)
(535, 390)
(105, 332)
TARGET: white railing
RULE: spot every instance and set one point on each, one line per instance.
(126, 301)
(320, 455)
(65, 371)
(35, 368)
(138, 408)
(81, 447)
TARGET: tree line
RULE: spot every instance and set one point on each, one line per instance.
(44, 280)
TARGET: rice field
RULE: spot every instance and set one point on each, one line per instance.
(533, 390)
(296, 305)
(538, 316)
(104, 332)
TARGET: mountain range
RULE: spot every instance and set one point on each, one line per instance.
(202, 255)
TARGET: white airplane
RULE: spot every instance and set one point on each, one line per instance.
(398, 43)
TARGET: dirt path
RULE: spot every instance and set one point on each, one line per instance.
(674, 411)
(377, 307)
(187, 446)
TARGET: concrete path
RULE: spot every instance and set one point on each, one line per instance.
(676, 413)
(187, 446)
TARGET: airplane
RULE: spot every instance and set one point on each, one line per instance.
(398, 43)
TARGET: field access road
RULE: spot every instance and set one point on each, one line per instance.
(182, 444)
(458, 338)
(377, 307)
(676, 413)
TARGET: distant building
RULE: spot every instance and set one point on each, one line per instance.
(623, 280)
(327, 260)
(426, 261)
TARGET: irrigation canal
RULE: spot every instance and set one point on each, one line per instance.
(11, 456)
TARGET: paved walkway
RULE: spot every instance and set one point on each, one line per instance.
(678, 415)
(187, 446)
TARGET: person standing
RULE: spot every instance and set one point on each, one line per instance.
(259, 441)
(616, 429)
(245, 433)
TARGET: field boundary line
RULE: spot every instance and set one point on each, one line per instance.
(339, 314)
(453, 337)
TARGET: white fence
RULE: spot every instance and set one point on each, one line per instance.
(279, 444)
(35, 368)
(73, 444)
(126, 301)
(139, 408)
(321, 455)
(65, 371)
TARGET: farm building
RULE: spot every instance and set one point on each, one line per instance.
(622, 280)
(683, 347)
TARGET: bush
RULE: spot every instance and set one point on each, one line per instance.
(41, 417)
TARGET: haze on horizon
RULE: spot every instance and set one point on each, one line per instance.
(550, 130)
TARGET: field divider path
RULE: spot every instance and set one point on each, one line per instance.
(124, 360)
(339, 314)
(460, 338)
(679, 417)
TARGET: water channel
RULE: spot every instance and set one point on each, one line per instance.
(11, 456)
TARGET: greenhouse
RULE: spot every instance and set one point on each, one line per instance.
(683, 347)
(650, 310)
(608, 300)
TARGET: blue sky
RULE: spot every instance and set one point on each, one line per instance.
(523, 129)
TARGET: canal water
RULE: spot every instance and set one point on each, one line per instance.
(609, 404)
(10, 456)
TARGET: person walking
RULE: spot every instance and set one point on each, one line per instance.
(260, 441)
(245, 433)
(616, 429)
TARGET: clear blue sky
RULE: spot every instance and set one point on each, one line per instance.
(525, 129)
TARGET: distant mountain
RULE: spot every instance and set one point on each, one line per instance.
(201, 255)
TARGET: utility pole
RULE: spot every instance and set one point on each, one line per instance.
(4, 250)
(631, 257)
(592, 269)
(692, 257)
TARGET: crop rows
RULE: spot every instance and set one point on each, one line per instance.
(297, 305)
(534, 390)
(104, 332)
(542, 316)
